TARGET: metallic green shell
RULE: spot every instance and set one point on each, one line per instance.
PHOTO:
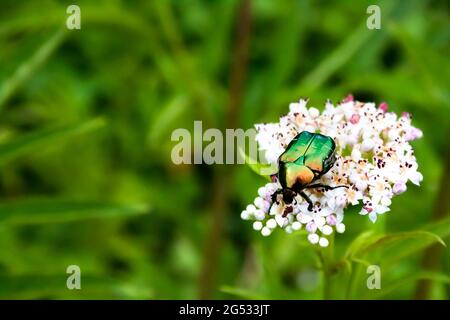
(306, 158)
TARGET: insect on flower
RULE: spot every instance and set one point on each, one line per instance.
(306, 159)
(358, 153)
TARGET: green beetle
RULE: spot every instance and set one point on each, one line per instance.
(307, 157)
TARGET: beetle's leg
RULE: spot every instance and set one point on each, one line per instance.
(305, 196)
(319, 185)
(274, 198)
(275, 195)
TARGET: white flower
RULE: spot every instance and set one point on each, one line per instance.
(323, 242)
(374, 159)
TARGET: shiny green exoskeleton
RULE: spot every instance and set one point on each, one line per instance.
(307, 157)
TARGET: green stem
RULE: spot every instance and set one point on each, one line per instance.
(327, 286)
(326, 256)
(355, 276)
(353, 281)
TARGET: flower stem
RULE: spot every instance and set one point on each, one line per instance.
(326, 256)
(353, 281)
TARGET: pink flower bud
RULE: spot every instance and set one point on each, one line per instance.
(406, 115)
(399, 187)
(311, 227)
(413, 134)
(368, 209)
(354, 119)
(383, 106)
(348, 98)
(331, 220)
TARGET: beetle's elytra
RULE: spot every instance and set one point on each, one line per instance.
(307, 157)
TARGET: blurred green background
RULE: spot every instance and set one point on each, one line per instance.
(86, 118)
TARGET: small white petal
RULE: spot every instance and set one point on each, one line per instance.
(416, 178)
(266, 231)
(250, 208)
(259, 202)
(381, 209)
(274, 209)
(259, 215)
(341, 201)
(314, 113)
(367, 145)
(373, 216)
(323, 242)
(367, 134)
(331, 220)
(280, 220)
(271, 223)
(311, 227)
(296, 225)
(361, 185)
(245, 215)
(304, 218)
(319, 221)
(340, 228)
(356, 154)
(327, 230)
(385, 201)
(262, 192)
(399, 187)
(257, 225)
(313, 238)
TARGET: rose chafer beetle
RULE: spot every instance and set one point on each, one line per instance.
(307, 158)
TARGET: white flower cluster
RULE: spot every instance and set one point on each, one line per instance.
(374, 159)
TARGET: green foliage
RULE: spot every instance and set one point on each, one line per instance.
(32, 211)
(85, 123)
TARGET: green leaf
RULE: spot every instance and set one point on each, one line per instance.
(432, 71)
(36, 211)
(400, 250)
(36, 140)
(163, 119)
(358, 243)
(28, 68)
(55, 286)
(362, 262)
(395, 285)
(241, 293)
(368, 243)
(257, 167)
(337, 58)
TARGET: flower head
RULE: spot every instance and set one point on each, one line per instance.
(374, 159)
